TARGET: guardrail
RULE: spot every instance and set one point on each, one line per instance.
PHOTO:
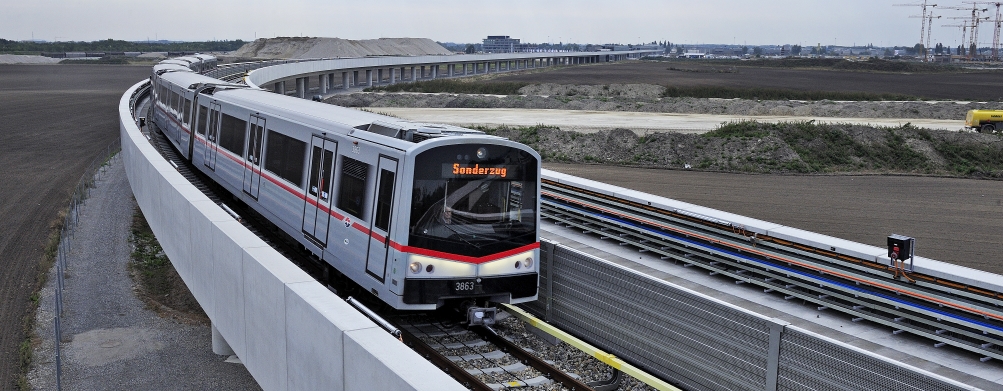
(701, 343)
(290, 332)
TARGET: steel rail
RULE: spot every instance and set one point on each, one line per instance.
(918, 310)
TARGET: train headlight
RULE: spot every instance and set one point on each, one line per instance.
(482, 153)
(528, 262)
(415, 267)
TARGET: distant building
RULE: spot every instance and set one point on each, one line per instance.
(506, 44)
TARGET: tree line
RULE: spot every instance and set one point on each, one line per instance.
(112, 45)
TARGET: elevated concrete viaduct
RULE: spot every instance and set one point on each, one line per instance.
(411, 69)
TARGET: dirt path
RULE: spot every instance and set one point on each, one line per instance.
(55, 121)
(591, 121)
(953, 220)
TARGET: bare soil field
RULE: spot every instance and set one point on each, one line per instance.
(54, 120)
(983, 86)
(953, 220)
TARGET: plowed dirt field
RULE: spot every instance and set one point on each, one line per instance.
(987, 86)
(54, 120)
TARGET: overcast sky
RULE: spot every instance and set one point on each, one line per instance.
(806, 22)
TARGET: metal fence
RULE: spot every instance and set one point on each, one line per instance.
(700, 343)
(87, 181)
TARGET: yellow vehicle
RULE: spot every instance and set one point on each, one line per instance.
(985, 121)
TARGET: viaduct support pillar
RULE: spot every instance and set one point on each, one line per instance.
(379, 76)
(393, 76)
(414, 74)
(449, 69)
(322, 81)
(280, 88)
(344, 80)
(300, 87)
(219, 345)
(369, 77)
(355, 78)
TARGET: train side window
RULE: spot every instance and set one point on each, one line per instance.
(285, 156)
(174, 101)
(163, 95)
(232, 133)
(384, 200)
(188, 111)
(203, 114)
(352, 188)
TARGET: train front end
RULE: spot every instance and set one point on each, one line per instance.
(473, 231)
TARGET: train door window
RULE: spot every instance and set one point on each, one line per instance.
(188, 111)
(321, 175)
(203, 114)
(285, 157)
(384, 200)
(232, 133)
(352, 188)
(254, 147)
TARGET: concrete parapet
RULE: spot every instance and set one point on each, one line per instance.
(289, 330)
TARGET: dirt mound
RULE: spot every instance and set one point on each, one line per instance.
(313, 47)
(782, 148)
(19, 59)
(646, 98)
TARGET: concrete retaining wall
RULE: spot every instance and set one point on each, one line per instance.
(289, 330)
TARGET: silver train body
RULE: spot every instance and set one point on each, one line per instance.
(419, 215)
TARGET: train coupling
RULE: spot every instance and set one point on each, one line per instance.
(481, 316)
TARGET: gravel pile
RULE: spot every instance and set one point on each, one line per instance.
(647, 98)
(20, 59)
(311, 47)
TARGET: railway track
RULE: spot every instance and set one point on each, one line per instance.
(946, 313)
(483, 359)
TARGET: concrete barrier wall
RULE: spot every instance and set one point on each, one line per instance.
(290, 331)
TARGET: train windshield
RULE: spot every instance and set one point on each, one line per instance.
(474, 200)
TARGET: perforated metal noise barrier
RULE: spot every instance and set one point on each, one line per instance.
(699, 343)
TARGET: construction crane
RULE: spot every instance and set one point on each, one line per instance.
(928, 23)
(996, 31)
(922, 28)
(976, 19)
(964, 32)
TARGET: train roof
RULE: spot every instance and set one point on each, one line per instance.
(177, 61)
(189, 79)
(170, 68)
(379, 128)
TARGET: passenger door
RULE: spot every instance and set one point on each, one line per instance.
(317, 207)
(212, 136)
(382, 217)
(252, 161)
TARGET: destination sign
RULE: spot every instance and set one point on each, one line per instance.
(462, 170)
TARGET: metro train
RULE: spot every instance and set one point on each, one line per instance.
(420, 215)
